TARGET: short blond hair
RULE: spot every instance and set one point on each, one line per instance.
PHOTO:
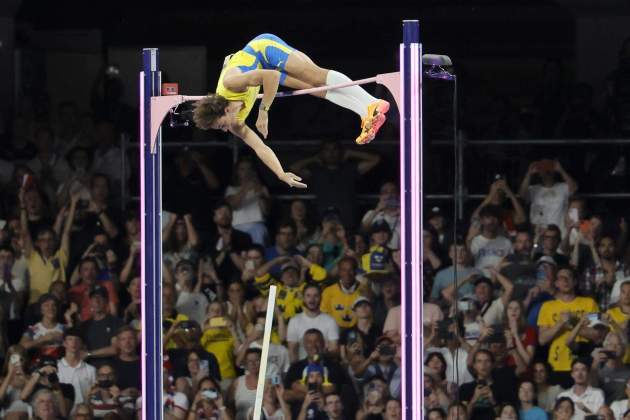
(208, 110)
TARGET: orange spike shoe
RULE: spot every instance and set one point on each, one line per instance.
(373, 122)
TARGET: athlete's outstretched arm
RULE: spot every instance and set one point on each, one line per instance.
(265, 154)
(268, 79)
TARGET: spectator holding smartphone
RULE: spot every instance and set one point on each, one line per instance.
(586, 398)
(380, 362)
(608, 370)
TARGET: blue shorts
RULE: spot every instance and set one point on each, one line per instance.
(270, 51)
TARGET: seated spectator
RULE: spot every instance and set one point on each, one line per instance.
(393, 410)
(546, 393)
(436, 396)
(333, 406)
(190, 301)
(273, 405)
(312, 265)
(460, 260)
(338, 298)
(375, 396)
(72, 369)
(306, 228)
(221, 339)
(235, 305)
(391, 328)
(507, 411)
(621, 405)
(485, 242)
(612, 268)
(47, 260)
(180, 240)
(564, 409)
(335, 378)
(81, 412)
(14, 377)
(103, 395)
(551, 237)
(544, 290)
(250, 200)
(176, 403)
(45, 377)
(45, 338)
(284, 246)
(253, 259)
(99, 331)
(587, 399)
(457, 411)
(620, 313)
(86, 289)
(14, 289)
(127, 365)
(436, 363)
(357, 342)
(608, 371)
(227, 244)
(485, 392)
(435, 413)
(333, 239)
(242, 392)
(379, 363)
(527, 402)
(313, 405)
(499, 193)
(388, 210)
(388, 297)
(556, 319)
(521, 338)
(519, 266)
(378, 258)
(44, 406)
(453, 349)
(208, 402)
(311, 317)
(549, 199)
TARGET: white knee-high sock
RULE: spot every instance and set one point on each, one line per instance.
(354, 98)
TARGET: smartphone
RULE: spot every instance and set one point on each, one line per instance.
(15, 360)
(609, 353)
(218, 321)
(250, 265)
(275, 380)
(209, 394)
(312, 386)
(387, 350)
(594, 316)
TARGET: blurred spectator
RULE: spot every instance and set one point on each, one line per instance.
(14, 377)
(449, 342)
(556, 319)
(387, 209)
(375, 396)
(437, 222)
(549, 199)
(284, 245)
(388, 298)
(45, 379)
(250, 200)
(334, 166)
(338, 298)
(546, 393)
(460, 259)
(380, 362)
(188, 338)
(107, 156)
(620, 313)
(529, 410)
(551, 237)
(485, 391)
(88, 289)
(519, 266)
(310, 318)
(127, 364)
(621, 406)
(564, 409)
(378, 257)
(180, 240)
(227, 244)
(521, 338)
(104, 395)
(221, 339)
(208, 402)
(190, 302)
(587, 399)
(242, 393)
(333, 405)
(48, 166)
(72, 369)
(500, 192)
(306, 228)
(485, 242)
(607, 370)
(45, 337)
(47, 260)
(356, 342)
(579, 119)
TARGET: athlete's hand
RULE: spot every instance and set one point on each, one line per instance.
(292, 179)
(262, 123)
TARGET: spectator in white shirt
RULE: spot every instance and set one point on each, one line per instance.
(311, 317)
(587, 399)
(73, 370)
(549, 200)
(487, 246)
(620, 407)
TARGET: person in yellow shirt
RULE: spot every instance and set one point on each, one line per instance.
(269, 62)
(337, 299)
(378, 258)
(621, 312)
(47, 260)
(557, 318)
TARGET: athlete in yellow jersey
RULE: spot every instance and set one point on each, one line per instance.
(268, 61)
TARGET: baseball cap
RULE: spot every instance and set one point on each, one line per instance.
(100, 291)
(360, 300)
(433, 212)
(47, 361)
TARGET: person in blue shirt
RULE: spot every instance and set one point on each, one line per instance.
(528, 409)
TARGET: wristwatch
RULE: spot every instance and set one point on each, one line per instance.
(264, 107)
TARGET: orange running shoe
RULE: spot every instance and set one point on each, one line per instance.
(373, 121)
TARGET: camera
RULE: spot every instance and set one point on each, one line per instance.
(107, 383)
(312, 386)
(386, 350)
(53, 378)
(15, 359)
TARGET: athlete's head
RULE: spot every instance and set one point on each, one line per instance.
(213, 112)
